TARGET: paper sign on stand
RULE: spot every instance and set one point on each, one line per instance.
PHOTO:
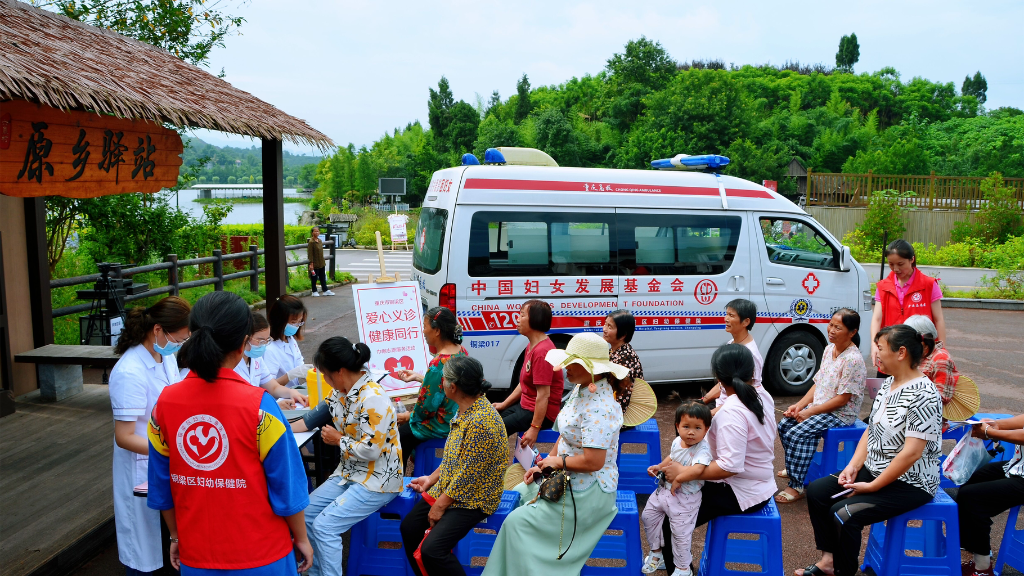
(390, 321)
(398, 231)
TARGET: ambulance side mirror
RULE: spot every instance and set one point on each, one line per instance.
(845, 259)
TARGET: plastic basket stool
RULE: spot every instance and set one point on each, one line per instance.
(633, 467)
(365, 556)
(888, 542)
(832, 458)
(1011, 551)
(622, 546)
(477, 544)
(427, 458)
(765, 552)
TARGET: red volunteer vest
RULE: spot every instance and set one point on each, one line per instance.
(218, 485)
(916, 301)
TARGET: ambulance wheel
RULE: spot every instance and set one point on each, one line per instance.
(792, 362)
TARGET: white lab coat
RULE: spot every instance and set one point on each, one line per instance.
(255, 372)
(283, 355)
(135, 384)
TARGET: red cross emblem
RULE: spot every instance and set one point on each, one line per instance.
(810, 283)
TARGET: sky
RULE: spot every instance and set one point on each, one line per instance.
(357, 69)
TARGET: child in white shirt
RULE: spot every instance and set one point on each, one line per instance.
(681, 500)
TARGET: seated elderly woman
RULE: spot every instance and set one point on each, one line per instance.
(834, 400)
(359, 418)
(895, 468)
(467, 487)
(991, 490)
(543, 537)
(618, 330)
(936, 364)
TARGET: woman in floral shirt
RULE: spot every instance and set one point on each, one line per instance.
(535, 538)
(359, 418)
(834, 400)
(467, 487)
(433, 412)
(618, 333)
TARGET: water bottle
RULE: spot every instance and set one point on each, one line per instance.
(400, 406)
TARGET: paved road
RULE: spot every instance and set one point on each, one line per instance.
(984, 345)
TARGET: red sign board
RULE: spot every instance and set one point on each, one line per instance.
(772, 185)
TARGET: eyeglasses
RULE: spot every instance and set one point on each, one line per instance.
(173, 341)
(297, 324)
(259, 341)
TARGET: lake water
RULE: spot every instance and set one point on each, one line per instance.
(243, 213)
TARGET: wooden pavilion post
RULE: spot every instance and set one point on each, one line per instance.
(38, 271)
(273, 221)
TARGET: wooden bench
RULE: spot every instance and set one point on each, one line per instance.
(59, 367)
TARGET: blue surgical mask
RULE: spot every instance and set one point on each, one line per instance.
(256, 351)
(290, 330)
(168, 349)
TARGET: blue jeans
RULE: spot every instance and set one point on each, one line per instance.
(332, 510)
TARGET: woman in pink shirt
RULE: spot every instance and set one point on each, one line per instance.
(742, 436)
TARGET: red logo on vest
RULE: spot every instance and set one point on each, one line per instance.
(916, 297)
(202, 442)
(810, 283)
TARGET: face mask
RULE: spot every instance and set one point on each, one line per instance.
(256, 351)
(290, 330)
(168, 349)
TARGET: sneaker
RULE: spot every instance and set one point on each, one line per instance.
(653, 563)
(328, 293)
(315, 294)
(683, 572)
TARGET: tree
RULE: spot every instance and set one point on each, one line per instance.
(644, 67)
(848, 54)
(189, 29)
(492, 104)
(976, 87)
(439, 112)
(523, 106)
(493, 133)
(307, 176)
(462, 131)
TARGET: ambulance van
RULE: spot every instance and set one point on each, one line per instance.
(671, 246)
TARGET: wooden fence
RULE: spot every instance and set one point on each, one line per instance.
(930, 192)
(926, 226)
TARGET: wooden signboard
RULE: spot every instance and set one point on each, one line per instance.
(48, 152)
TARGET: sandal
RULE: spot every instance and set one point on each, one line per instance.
(784, 497)
(782, 473)
(813, 570)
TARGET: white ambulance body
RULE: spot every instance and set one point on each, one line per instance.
(672, 247)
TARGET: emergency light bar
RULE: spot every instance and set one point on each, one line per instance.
(687, 162)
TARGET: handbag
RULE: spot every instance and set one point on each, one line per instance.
(417, 555)
(552, 489)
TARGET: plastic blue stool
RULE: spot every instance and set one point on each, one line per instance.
(832, 458)
(623, 543)
(633, 474)
(480, 540)
(428, 456)
(1011, 551)
(765, 552)
(888, 542)
(365, 556)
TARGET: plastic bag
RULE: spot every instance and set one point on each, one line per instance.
(968, 455)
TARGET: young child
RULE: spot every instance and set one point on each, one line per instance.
(740, 315)
(680, 501)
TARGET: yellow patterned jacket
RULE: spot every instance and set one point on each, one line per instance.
(371, 454)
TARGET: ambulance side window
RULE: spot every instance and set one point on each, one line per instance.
(660, 244)
(797, 243)
(541, 244)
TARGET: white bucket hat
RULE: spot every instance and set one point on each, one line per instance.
(590, 351)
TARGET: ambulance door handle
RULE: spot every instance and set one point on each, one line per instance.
(737, 283)
(774, 281)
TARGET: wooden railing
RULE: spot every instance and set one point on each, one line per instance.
(174, 286)
(930, 192)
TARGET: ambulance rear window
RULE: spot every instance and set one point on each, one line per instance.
(428, 245)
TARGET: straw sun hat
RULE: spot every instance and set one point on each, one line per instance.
(590, 351)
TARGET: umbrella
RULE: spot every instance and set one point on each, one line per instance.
(642, 404)
(514, 475)
(965, 402)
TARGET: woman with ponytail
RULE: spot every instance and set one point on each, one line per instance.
(895, 468)
(359, 418)
(432, 415)
(147, 344)
(742, 438)
(225, 471)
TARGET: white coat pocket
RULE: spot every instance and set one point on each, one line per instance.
(141, 469)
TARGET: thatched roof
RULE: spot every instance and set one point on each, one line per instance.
(51, 59)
